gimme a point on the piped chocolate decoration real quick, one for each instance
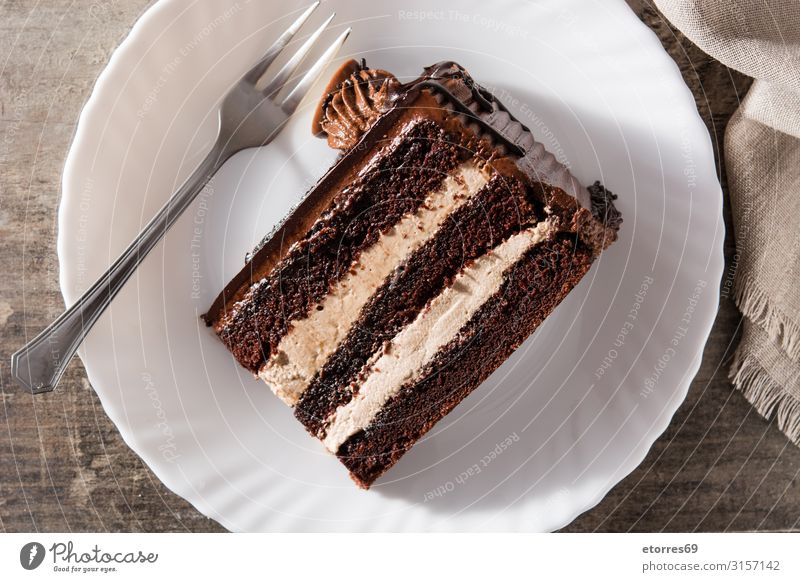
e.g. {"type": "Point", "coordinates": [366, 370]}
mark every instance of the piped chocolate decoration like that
{"type": "Point", "coordinates": [355, 98]}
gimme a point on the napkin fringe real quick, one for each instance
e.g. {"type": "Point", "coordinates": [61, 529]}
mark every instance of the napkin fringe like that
{"type": "Point", "coordinates": [756, 305]}
{"type": "Point", "coordinates": [766, 395]}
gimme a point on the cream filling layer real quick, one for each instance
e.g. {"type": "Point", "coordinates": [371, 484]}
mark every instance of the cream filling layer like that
{"type": "Point", "coordinates": [417, 344]}
{"type": "Point", "coordinates": [310, 341]}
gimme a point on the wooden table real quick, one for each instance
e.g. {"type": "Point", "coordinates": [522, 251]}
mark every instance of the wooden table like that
{"type": "Point", "coordinates": [63, 465]}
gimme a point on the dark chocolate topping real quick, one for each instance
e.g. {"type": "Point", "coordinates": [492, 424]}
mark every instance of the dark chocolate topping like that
{"type": "Point", "coordinates": [360, 96]}
{"type": "Point", "coordinates": [476, 106]}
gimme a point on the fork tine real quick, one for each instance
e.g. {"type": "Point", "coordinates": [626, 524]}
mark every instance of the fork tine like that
{"type": "Point", "coordinates": [254, 74]}
{"type": "Point", "coordinates": [290, 67]}
{"type": "Point", "coordinates": [296, 95]}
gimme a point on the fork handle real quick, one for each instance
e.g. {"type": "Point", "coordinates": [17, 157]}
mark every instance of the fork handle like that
{"type": "Point", "coordinates": [39, 365]}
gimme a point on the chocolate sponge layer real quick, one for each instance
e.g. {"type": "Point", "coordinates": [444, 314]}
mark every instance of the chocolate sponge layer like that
{"type": "Point", "coordinates": [393, 186]}
{"type": "Point", "coordinates": [535, 286]}
{"type": "Point", "coordinates": [503, 207]}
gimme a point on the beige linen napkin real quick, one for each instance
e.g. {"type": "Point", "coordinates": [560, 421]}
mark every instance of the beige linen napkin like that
{"type": "Point", "coordinates": [761, 38]}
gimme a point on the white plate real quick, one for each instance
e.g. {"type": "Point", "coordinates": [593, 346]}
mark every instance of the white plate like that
{"type": "Point", "coordinates": [590, 80]}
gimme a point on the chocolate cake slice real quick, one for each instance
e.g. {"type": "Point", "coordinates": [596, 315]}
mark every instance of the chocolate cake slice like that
{"type": "Point", "coordinates": [438, 242]}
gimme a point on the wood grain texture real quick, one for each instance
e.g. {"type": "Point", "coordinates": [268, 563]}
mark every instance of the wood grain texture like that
{"type": "Point", "coordinates": [64, 466]}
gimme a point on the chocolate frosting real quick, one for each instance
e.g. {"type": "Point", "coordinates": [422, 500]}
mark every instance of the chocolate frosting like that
{"type": "Point", "coordinates": [359, 95]}
{"type": "Point", "coordinates": [356, 97]}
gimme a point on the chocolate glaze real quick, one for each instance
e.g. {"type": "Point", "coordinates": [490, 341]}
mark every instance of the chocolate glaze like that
{"type": "Point", "coordinates": [478, 108]}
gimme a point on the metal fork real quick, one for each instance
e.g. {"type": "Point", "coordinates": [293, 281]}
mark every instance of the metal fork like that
{"type": "Point", "coordinates": [249, 117]}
